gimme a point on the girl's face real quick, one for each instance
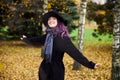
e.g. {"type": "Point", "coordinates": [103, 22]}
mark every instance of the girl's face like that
{"type": "Point", "coordinates": [52, 22]}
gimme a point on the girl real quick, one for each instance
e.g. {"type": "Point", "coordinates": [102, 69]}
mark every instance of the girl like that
{"type": "Point", "coordinates": [56, 42]}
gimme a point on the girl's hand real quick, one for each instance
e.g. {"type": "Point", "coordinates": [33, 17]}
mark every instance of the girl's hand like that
{"type": "Point", "coordinates": [23, 37]}
{"type": "Point", "coordinates": [97, 65]}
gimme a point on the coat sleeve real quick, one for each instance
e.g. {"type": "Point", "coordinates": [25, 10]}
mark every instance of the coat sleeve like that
{"type": "Point", "coordinates": [71, 50]}
{"type": "Point", "coordinates": [35, 41]}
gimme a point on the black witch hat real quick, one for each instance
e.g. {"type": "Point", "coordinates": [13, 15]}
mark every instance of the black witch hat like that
{"type": "Point", "coordinates": [53, 13]}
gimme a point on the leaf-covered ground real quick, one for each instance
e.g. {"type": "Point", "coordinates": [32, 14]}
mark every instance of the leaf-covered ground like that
{"type": "Point", "coordinates": [19, 61]}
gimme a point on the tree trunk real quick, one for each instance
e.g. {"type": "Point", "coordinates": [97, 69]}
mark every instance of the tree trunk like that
{"type": "Point", "coordinates": [76, 65]}
{"type": "Point", "coordinates": [45, 10]}
{"type": "Point", "coordinates": [116, 43]}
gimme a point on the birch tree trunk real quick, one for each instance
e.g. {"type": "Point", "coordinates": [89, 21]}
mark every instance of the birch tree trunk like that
{"type": "Point", "coordinates": [116, 43]}
{"type": "Point", "coordinates": [45, 10]}
{"type": "Point", "coordinates": [76, 65]}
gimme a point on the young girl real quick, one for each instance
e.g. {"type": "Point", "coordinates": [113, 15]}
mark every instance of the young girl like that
{"type": "Point", "coordinates": [56, 42]}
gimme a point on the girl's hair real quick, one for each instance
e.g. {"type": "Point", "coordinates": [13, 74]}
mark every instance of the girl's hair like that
{"type": "Point", "coordinates": [59, 30]}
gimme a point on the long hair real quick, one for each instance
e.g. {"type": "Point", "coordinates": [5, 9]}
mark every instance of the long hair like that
{"type": "Point", "coordinates": [59, 30]}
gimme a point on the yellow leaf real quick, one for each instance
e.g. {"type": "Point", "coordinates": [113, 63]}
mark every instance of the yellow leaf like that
{"type": "Point", "coordinates": [3, 20]}
{"type": "Point", "coordinates": [39, 16]}
{"type": "Point", "coordinates": [101, 12]}
{"type": "Point", "coordinates": [8, 16]}
{"type": "Point", "coordinates": [26, 5]}
{"type": "Point", "coordinates": [22, 13]}
{"type": "Point", "coordinates": [77, 1]}
{"type": "Point", "coordinates": [39, 24]}
{"type": "Point", "coordinates": [1, 66]}
{"type": "Point", "coordinates": [49, 5]}
{"type": "Point", "coordinates": [32, 18]}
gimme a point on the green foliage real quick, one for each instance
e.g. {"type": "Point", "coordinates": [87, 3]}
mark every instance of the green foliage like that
{"type": "Point", "coordinates": [103, 16]}
{"type": "Point", "coordinates": [22, 17]}
{"type": "Point", "coordinates": [4, 29]}
{"type": "Point", "coordinates": [4, 33]}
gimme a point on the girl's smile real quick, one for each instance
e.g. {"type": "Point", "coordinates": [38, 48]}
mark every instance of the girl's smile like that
{"type": "Point", "coordinates": [52, 22]}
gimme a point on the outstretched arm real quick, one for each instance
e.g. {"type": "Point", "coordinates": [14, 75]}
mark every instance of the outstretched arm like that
{"type": "Point", "coordinates": [35, 41]}
{"type": "Point", "coordinates": [77, 55]}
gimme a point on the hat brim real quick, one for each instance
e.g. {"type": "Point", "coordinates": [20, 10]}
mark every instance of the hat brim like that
{"type": "Point", "coordinates": [53, 14]}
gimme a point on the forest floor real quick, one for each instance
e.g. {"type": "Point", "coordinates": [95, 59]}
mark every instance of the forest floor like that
{"type": "Point", "coordinates": [19, 61]}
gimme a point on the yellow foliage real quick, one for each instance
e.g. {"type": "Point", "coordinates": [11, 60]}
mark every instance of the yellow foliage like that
{"type": "Point", "coordinates": [53, 0]}
{"type": "Point", "coordinates": [39, 16]}
{"type": "Point", "coordinates": [15, 3]}
{"type": "Point", "coordinates": [22, 62]}
{"type": "Point", "coordinates": [1, 66]}
{"type": "Point", "coordinates": [77, 1]}
{"type": "Point", "coordinates": [101, 12]}
{"type": "Point", "coordinates": [104, 23]}
{"type": "Point", "coordinates": [3, 20]}
{"type": "Point", "coordinates": [32, 18]}
{"type": "Point", "coordinates": [8, 16]}
{"type": "Point", "coordinates": [49, 5]}
{"type": "Point", "coordinates": [63, 3]}
{"type": "Point", "coordinates": [26, 5]}
{"type": "Point", "coordinates": [39, 24]}
{"type": "Point", "coordinates": [22, 13]}
{"type": "Point", "coordinates": [26, 1]}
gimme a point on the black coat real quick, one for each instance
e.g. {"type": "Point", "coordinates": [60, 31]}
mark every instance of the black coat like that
{"type": "Point", "coordinates": [55, 70]}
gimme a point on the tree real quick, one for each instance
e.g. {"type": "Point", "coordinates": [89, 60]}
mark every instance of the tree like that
{"type": "Point", "coordinates": [22, 17]}
{"type": "Point", "coordinates": [116, 42]}
{"type": "Point", "coordinates": [116, 36]}
{"type": "Point", "coordinates": [45, 10]}
{"type": "Point", "coordinates": [81, 24]}
{"type": "Point", "coordinates": [102, 14]}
